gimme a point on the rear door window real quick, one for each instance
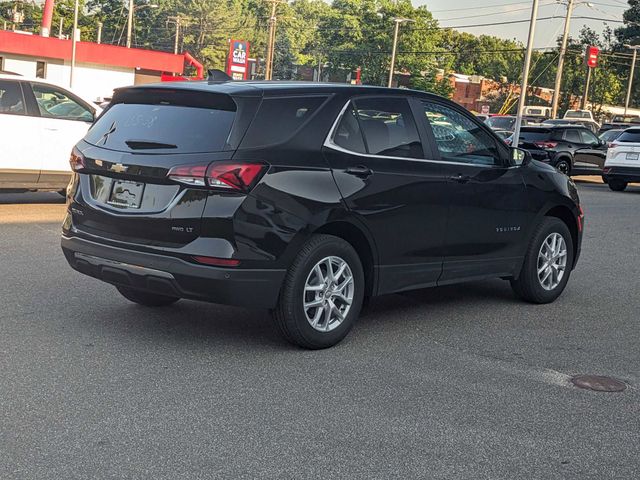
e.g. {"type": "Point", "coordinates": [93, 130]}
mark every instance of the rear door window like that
{"type": "Point", "coordinates": [279, 118]}
{"type": "Point", "coordinates": [388, 127]}
{"type": "Point", "coordinates": [537, 135]}
{"type": "Point", "coordinates": [11, 100]}
{"type": "Point", "coordinates": [572, 135]}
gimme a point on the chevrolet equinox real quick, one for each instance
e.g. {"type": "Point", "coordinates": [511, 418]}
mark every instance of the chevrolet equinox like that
{"type": "Point", "coordinates": [307, 199]}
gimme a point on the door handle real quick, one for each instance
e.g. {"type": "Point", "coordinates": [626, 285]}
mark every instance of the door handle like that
{"type": "Point", "coordinates": [359, 171]}
{"type": "Point", "coordinates": [460, 178]}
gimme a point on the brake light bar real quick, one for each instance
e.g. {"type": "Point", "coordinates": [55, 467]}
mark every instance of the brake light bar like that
{"type": "Point", "coordinates": [217, 262]}
{"type": "Point", "coordinates": [232, 176]}
{"type": "Point", "coordinates": [546, 144]}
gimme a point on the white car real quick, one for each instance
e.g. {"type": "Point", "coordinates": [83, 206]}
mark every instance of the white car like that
{"type": "Point", "coordinates": [40, 122]}
{"type": "Point", "coordinates": [579, 115]}
{"type": "Point", "coordinates": [622, 165]}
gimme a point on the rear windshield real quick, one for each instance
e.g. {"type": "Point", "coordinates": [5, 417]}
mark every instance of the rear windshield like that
{"type": "Point", "coordinates": [629, 136]}
{"type": "Point", "coordinates": [175, 128]}
{"type": "Point", "coordinates": [535, 135]}
{"type": "Point", "coordinates": [501, 123]}
{"type": "Point", "coordinates": [577, 114]}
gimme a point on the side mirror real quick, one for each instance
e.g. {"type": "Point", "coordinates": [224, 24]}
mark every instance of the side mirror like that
{"type": "Point", "coordinates": [519, 157]}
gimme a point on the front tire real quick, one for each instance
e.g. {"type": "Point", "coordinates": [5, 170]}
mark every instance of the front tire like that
{"type": "Point", "coordinates": [564, 166]}
{"type": "Point", "coordinates": [147, 299]}
{"type": "Point", "coordinates": [547, 264]}
{"type": "Point", "coordinates": [617, 185]}
{"type": "Point", "coordinates": [322, 293]}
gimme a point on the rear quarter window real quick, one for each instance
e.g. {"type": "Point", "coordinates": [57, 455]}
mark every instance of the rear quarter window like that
{"type": "Point", "coordinates": [279, 118]}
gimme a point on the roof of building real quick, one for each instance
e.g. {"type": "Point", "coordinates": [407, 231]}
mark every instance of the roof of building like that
{"type": "Point", "coordinates": [89, 52]}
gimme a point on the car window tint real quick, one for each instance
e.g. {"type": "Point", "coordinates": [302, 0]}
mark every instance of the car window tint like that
{"type": "Point", "coordinates": [11, 100]}
{"type": "Point", "coordinates": [572, 135]}
{"type": "Point", "coordinates": [130, 126]}
{"type": "Point", "coordinates": [631, 136]}
{"type": "Point", "coordinates": [459, 138]}
{"type": "Point", "coordinates": [279, 118]}
{"type": "Point", "coordinates": [348, 134]}
{"type": "Point", "coordinates": [537, 135]}
{"type": "Point", "coordinates": [388, 127]}
{"type": "Point", "coordinates": [56, 103]}
{"type": "Point", "coordinates": [588, 137]}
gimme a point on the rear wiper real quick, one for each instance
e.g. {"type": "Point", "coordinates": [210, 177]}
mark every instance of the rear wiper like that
{"type": "Point", "coordinates": [148, 145]}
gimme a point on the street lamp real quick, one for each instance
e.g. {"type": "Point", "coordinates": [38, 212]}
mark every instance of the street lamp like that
{"type": "Point", "coordinates": [397, 22]}
{"type": "Point", "coordinates": [633, 67]}
{"type": "Point", "coordinates": [563, 50]}
{"type": "Point", "coordinates": [132, 7]}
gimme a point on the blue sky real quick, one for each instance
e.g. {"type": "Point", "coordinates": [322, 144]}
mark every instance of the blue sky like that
{"type": "Point", "coordinates": [468, 12]}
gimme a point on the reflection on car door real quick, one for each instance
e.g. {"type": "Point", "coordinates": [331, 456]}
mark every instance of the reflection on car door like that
{"type": "Point", "coordinates": [591, 154]}
{"type": "Point", "coordinates": [488, 210]}
{"type": "Point", "coordinates": [378, 160]}
{"type": "Point", "coordinates": [19, 166]}
{"type": "Point", "coordinates": [64, 120]}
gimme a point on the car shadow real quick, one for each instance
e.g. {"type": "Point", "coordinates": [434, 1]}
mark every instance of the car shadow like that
{"type": "Point", "coordinates": [213, 327]}
{"type": "Point", "coordinates": [31, 198]}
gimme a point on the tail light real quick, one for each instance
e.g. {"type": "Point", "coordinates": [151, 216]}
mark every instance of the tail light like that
{"type": "Point", "coordinates": [77, 160]}
{"type": "Point", "coordinates": [232, 176]}
{"type": "Point", "coordinates": [546, 144]}
{"type": "Point", "coordinates": [611, 145]}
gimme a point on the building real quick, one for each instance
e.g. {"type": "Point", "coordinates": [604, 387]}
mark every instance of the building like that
{"type": "Point", "coordinates": [99, 68]}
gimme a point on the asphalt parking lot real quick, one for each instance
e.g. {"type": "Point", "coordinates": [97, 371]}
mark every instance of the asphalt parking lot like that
{"type": "Point", "coordinates": [454, 382]}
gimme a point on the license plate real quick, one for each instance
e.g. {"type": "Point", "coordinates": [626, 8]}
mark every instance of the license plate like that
{"type": "Point", "coordinates": [126, 194]}
{"type": "Point", "coordinates": [632, 156]}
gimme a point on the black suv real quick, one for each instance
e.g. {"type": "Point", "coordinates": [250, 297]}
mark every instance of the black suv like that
{"type": "Point", "coordinates": [571, 149]}
{"type": "Point", "coordinates": [307, 199]}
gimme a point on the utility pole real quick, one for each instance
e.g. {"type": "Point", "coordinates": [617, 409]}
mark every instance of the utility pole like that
{"type": "Point", "coordinates": [525, 72]}
{"type": "Point", "coordinates": [633, 67]}
{"type": "Point", "coordinates": [73, 43]}
{"type": "Point", "coordinates": [268, 70]}
{"type": "Point", "coordinates": [563, 51]}
{"type": "Point", "coordinates": [99, 39]}
{"type": "Point", "coordinates": [397, 22]}
{"type": "Point", "coordinates": [130, 24]}
{"type": "Point", "coordinates": [176, 43]}
{"type": "Point", "coordinates": [60, 28]}
{"type": "Point", "coordinates": [585, 95]}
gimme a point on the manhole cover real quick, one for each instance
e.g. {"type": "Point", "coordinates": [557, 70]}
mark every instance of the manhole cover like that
{"type": "Point", "coordinates": [598, 383]}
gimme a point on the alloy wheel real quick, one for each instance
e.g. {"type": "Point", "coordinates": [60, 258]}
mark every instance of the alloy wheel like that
{"type": "Point", "coordinates": [328, 293]}
{"type": "Point", "coordinates": [552, 261]}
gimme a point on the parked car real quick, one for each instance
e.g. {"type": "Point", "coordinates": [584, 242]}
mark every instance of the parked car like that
{"type": "Point", "coordinates": [591, 125]}
{"type": "Point", "coordinates": [308, 198]}
{"type": "Point", "coordinates": [571, 149]}
{"type": "Point", "coordinates": [579, 115]}
{"type": "Point", "coordinates": [623, 160]}
{"type": "Point", "coordinates": [609, 136]}
{"type": "Point", "coordinates": [504, 122]}
{"type": "Point", "coordinates": [40, 122]}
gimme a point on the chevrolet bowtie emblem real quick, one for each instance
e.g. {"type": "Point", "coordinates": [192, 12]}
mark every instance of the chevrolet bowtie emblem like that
{"type": "Point", "coordinates": [119, 168]}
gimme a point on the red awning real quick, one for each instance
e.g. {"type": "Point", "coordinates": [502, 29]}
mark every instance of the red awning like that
{"type": "Point", "coordinates": [89, 52]}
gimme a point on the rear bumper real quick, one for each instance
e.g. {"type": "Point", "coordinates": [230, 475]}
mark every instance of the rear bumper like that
{"type": "Point", "coordinates": [623, 174]}
{"type": "Point", "coordinates": [171, 276]}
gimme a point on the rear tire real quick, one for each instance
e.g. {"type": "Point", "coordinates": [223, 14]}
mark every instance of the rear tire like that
{"type": "Point", "coordinates": [546, 271]}
{"type": "Point", "coordinates": [147, 299]}
{"type": "Point", "coordinates": [617, 185]}
{"type": "Point", "coordinates": [318, 308]}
